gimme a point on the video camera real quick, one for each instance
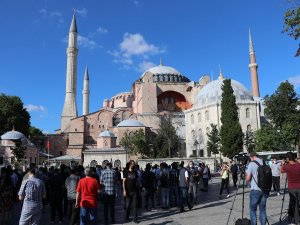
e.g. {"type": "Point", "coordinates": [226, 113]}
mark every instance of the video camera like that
{"type": "Point", "coordinates": [243, 158]}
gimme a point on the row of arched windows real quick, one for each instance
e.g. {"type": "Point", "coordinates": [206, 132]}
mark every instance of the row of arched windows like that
{"type": "Point", "coordinates": [199, 117]}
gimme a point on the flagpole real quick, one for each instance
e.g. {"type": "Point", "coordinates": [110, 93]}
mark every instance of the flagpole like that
{"type": "Point", "coordinates": [48, 146]}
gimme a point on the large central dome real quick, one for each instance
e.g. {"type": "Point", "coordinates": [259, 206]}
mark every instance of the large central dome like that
{"type": "Point", "coordinates": [212, 93]}
{"type": "Point", "coordinates": [166, 74]}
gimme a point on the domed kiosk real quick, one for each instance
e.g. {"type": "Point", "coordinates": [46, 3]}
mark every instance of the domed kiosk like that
{"type": "Point", "coordinates": [207, 110]}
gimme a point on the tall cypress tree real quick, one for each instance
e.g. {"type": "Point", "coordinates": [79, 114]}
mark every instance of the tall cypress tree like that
{"type": "Point", "coordinates": [231, 132]}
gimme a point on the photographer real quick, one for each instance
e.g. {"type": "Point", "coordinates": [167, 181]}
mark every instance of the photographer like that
{"type": "Point", "coordinates": [292, 170]}
{"type": "Point", "coordinates": [225, 179]}
{"type": "Point", "coordinates": [257, 196]}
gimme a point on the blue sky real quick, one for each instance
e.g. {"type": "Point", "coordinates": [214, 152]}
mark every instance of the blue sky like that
{"type": "Point", "coordinates": [119, 39]}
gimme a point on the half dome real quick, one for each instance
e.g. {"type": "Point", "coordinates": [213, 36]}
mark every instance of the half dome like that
{"type": "Point", "coordinates": [212, 93]}
{"type": "Point", "coordinates": [130, 123]}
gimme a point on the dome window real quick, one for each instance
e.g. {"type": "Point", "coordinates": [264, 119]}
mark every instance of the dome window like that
{"type": "Point", "coordinates": [206, 115]}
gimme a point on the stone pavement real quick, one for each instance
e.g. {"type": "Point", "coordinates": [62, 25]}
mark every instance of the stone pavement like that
{"type": "Point", "coordinates": [210, 211]}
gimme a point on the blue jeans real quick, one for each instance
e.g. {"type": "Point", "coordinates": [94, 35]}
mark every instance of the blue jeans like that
{"type": "Point", "coordinates": [184, 198]}
{"type": "Point", "coordinates": [258, 198]}
{"type": "Point", "coordinates": [88, 216]}
{"type": "Point", "coordinates": [174, 196]}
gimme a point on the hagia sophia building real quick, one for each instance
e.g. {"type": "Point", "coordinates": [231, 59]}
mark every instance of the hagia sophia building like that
{"type": "Point", "coordinates": [160, 91]}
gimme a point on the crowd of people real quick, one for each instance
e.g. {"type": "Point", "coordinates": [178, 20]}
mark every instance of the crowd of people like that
{"type": "Point", "coordinates": [76, 191]}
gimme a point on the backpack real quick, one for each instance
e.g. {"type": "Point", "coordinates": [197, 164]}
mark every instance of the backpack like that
{"type": "Point", "coordinates": [264, 177]}
{"type": "Point", "coordinates": [244, 221]}
{"type": "Point", "coordinates": [164, 179]}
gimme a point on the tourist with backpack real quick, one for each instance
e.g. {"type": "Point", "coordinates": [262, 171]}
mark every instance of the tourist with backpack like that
{"type": "Point", "coordinates": [149, 186]}
{"type": "Point", "coordinates": [260, 177]}
{"type": "Point", "coordinates": [183, 187]}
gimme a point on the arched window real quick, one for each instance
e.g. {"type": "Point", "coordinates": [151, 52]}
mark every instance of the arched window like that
{"type": "Point", "coordinates": [124, 115]}
{"type": "Point", "coordinates": [93, 163]}
{"type": "Point", "coordinates": [207, 130]}
{"type": "Point", "coordinates": [104, 163]}
{"type": "Point", "coordinates": [199, 117]}
{"type": "Point", "coordinates": [206, 115]}
{"type": "Point", "coordinates": [117, 163]}
{"type": "Point", "coordinates": [200, 132]}
{"type": "Point", "coordinates": [192, 118]}
{"type": "Point", "coordinates": [249, 127]}
{"type": "Point", "coordinates": [247, 113]}
{"type": "Point", "coordinates": [116, 120]}
{"type": "Point", "coordinates": [193, 135]}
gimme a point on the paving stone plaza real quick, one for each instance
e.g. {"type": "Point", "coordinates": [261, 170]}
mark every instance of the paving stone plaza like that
{"type": "Point", "coordinates": [211, 210]}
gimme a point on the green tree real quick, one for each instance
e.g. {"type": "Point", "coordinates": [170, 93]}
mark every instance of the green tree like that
{"type": "Point", "coordinates": [213, 142]}
{"type": "Point", "coordinates": [13, 114]}
{"type": "Point", "coordinates": [283, 111]}
{"type": "Point", "coordinates": [19, 150]}
{"type": "Point", "coordinates": [231, 132]}
{"type": "Point", "coordinates": [166, 141]}
{"type": "Point", "coordinates": [268, 139]}
{"type": "Point", "coordinates": [292, 24]}
{"type": "Point", "coordinates": [249, 140]}
{"type": "Point", "coordinates": [136, 142]}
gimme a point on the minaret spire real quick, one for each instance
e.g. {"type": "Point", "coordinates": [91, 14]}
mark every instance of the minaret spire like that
{"type": "Point", "coordinates": [86, 93]}
{"type": "Point", "coordinates": [253, 69]}
{"type": "Point", "coordinates": [221, 77]}
{"type": "Point", "coordinates": [70, 106]}
{"type": "Point", "coordinates": [160, 61]}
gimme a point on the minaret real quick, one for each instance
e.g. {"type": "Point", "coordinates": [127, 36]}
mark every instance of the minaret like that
{"type": "Point", "coordinates": [253, 69]}
{"type": "Point", "coordinates": [86, 93]}
{"type": "Point", "coordinates": [70, 107]}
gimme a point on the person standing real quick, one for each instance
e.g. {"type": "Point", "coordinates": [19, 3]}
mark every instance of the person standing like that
{"type": "Point", "coordinates": [108, 180]}
{"type": "Point", "coordinates": [183, 187]}
{"type": "Point", "coordinates": [130, 190]}
{"type": "Point", "coordinates": [257, 196]}
{"type": "Point", "coordinates": [234, 169]}
{"type": "Point", "coordinates": [165, 185]}
{"type": "Point", "coordinates": [86, 198]}
{"type": "Point", "coordinates": [225, 179]}
{"type": "Point", "coordinates": [205, 177]}
{"type": "Point", "coordinates": [275, 166]}
{"type": "Point", "coordinates": [56, 194]}
{"type": "Point", "coordinates": [6, 196]}
{"type": "Point", "coordinates": [149, 185]}
{"type": "Point", "coordinates": [174, 178]}
{"type": "Point", "coordinates": [193, 184]}
{"type": "Point", "coordinates": [71, 184]}
{"type": "Point", "coordinates": [32, 191]}
{"type": "Point", "coordinates": [292, 170]}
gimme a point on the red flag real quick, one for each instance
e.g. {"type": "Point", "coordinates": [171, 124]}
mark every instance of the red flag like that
{"type": "Point", "coordinates": [48, 144]}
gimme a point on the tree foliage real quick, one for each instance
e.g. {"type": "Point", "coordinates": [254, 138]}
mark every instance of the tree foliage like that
{"type": "Point", "coordinates": [213, 142]}
{"type": "Point", "coordinates": [249, 141]}
{"type": "Point", "coordinates": [292, 24]}
{"type": "Point", "coordinates": [268, 139]}
{"type": "Point", "coordinates": [283, 111]}
{"type": "Point", "coordinates": [136, 142]}
{"type": "Point", "coordinates": [166, 141]}
{"type": "Point", "coordinates": [19, 150]}
{"type": "Point", "coordinates": [231, 132]}
{"type": "Point", "coordinates": [13, 114]}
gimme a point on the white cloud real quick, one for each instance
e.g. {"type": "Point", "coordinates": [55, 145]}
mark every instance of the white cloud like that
{"type": "Point", "coordinates": [42, 12]}
{"type": "Point", "coordinates": [136, 3]}
{"type": "Point", "coordinates": [135, 44]}
{"type": "Point", "coordinates": [81, 12]}
{"type": "Point", "coordinates": [295, 81]}
{"type": "Point", "coordinates": [35, 108]}
{"type": "Point", "coordinates": [134, 47]}
{"type": "Point", "coordinates": [87, 42]}
{"type": "Point", "coordinates": [55, 16]}
{"type": "Point", "coordinates": [102, 30]}
{"type": "Point", "coordinates": [145, 65]}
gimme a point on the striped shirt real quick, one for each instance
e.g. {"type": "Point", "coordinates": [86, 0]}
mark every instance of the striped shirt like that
{"type": "Point", "coordinates": [108, 180]}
